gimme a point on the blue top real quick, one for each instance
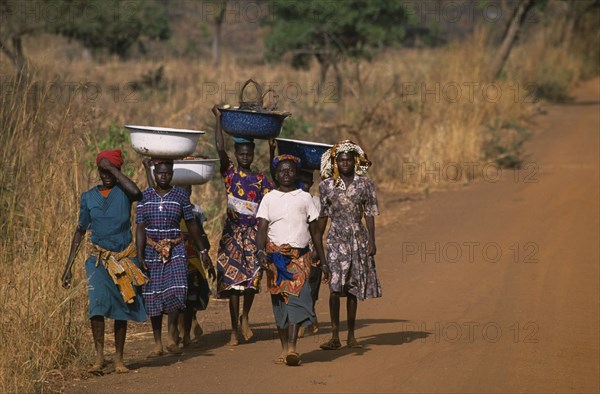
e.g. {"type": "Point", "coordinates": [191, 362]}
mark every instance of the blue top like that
{"type": "Point", "coordinates": [108, 218]}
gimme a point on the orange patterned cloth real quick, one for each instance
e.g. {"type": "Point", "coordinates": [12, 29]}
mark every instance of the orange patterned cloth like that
{"type": "Point", "coordinates": [163, 247]}
{"type": "Point", "coordinates": [299, 267]}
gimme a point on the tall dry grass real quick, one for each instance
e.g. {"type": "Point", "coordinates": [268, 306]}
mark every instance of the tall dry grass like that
{"type": "Point", "coordinates": [51, 127]}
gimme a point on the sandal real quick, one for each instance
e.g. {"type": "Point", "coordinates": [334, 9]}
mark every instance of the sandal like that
{"type": "Point", "coordinates": [332, 344]}
{"type": "Point", "coordinates": [292, 359]}
{"type": "Point", "coordinates": [280, 360]}
{"type": "Point", "coordinates": [353, 344]}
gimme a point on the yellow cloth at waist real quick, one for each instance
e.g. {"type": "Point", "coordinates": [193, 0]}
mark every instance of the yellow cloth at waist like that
{"type": "Point", "coordinates": [122, 270]}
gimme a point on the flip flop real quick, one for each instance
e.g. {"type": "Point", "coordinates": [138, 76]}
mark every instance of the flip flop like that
{"type": "Point", "coordinates": [292, 359]}
{"type": "Point", "coordinates": [280, 360]}
{"type": "Point", "coordinates": [332, 344]}
{"type": "Point", "coordinates": [353, 344]}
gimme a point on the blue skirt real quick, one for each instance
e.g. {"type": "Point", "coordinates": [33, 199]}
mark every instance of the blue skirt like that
{"type": "Point", "coordinates": [298, 310]}
{"type": "Point", "coordinates": [105, 298]}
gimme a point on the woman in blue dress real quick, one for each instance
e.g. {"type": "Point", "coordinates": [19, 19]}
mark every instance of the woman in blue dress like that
{"type": "Point", "coordinates": [111, 270]}
{"type": "Point", "coordinates": [161, 249]}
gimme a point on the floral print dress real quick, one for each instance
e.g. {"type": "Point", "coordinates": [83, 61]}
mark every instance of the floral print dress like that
{"type": "Point", "coordinates": [352, 270]}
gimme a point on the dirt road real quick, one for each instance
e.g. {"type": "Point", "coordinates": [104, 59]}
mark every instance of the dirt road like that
{"type": "Point", "coordinates": [490, 288]}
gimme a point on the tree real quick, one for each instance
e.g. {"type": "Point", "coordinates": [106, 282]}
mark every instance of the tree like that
{"type": "Point", "coordinates": [115, 25]}
{"type": "Point", "coordinates": [332, 31]}
{"type": "Point", "coordinates": [218, 18]}
{"type": "Point", "coordinates": [510, 35]}
{"type": "Point", "coordinates": [112, 24]}
{"type": "Point", "coordinates": [16, 21]}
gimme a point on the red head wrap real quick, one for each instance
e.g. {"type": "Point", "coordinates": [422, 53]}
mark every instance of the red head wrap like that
{"type": "Point", "coordinates": [113, 156]}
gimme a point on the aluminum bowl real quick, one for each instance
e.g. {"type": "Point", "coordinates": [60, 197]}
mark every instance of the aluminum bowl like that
{"type": "Point", "coordinates": [308, 152]}
{"type": "Point", "coordinates": [163, 141]}
{"type": "Point", "coordinates": [192, 172]}
{"type": "Point", "coordinates": [249, 124]}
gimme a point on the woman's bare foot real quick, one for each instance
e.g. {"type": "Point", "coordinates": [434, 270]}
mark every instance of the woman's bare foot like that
{"type": "Point", "coordinates": [156, 351]}
{"type": "Point", "coordinates": [174, 349]}
{"type": "Point", "coordinates": [245, 328]}
{"type": "Point", "coordinates": [281, 358]}
{"type": "Point", "coordinates": [97, 367]}
{"type": "Point", "coordinates": [197, 332]}
{"type": "Point", "coordinates": [233, 341]}
{"type": "Point", "coordinates": [120, 367]}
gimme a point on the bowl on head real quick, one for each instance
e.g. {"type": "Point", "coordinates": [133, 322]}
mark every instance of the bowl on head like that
{"type": "Point", "coordinates": [163, 141]}
{"type": "Point", "coordinates": [250, 124]}
{"type": "Point", "coordinates": [307, 151]}
{"type": "Point", "coordinates": [192, 172]}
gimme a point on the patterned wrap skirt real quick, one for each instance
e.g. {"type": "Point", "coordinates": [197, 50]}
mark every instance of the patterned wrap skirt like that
{"type": "Point", "coordinates": [291, 299]}
{"type": "Point", "coordinates": [237, 265]}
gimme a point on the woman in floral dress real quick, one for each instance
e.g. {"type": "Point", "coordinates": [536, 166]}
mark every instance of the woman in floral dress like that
{"type": "Point", "coordinates": [237, 264]}
{"type": "Point", "coordinates": [346, 197]}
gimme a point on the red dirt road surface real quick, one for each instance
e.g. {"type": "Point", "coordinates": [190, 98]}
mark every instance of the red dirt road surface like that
{"type": "Point", "coordinates": [490, 288]}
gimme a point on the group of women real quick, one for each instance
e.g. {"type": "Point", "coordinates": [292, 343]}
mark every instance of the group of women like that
{"type": "Point", "coordinates": [272, 229]}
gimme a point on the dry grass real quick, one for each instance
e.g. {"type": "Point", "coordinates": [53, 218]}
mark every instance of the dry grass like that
{"type": "Point", "coordinates": [48, 135]}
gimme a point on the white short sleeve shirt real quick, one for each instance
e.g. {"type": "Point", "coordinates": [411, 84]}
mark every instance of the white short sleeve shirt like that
{"type": "Point", "coordinates": [289, 215]}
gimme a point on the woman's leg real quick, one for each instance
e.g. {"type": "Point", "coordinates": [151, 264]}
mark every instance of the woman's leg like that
{"type": "Point", "coordinates": [157, 333]}
{"type": "Point", "coordinates": [234, 313]}
{"type": "Point", "coordinates": [245, 320]}
{"type": "Point", "coordinates": [283, 338]}
{"type": "Point", "coordinates": [293, 337]}
{"type": "Point", "coordinates": [120, 333]}
{"type": "Point", "coordinates": [188, 316]}
{"type": "Point", "coordinates": [334, 312]}
{"type": "Point", "coordinates": [173, 331]}
{"type": "Point", "coordinates": [97, 323]}
{"type": "Point", "coordinates": [292, 358]}
{"type": "Point", "coordinates": [351, 307]}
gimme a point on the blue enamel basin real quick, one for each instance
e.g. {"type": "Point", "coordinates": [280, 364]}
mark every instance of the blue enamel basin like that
{"type": "Point", "coordinates": [248, 124]}
{"type": "Point", "coordinates": [308, 152]}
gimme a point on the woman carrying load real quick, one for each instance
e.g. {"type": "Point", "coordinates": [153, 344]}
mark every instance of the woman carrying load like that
{"type": "Point", "coordinates": [288, 220]}
{"type": "Point", "coordinates": [236, 262]}
{"type": "Point", "coordinates": [161, 249]}
{"type": "Point", "coordinates": [346, 197]}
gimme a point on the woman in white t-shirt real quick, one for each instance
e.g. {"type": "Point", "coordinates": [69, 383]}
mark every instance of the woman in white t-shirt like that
{"type": "Point", "coordinates": [287, 220]}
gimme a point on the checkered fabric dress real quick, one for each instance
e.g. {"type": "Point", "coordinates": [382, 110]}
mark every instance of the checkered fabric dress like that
{"type": "Point", "coordinates": [167, 290]}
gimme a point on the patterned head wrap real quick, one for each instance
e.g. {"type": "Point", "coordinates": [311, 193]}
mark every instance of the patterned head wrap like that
{"type": "Point", "coordinates": [329, 166]}
{"type": "Point", "coordinates": [280, 158]}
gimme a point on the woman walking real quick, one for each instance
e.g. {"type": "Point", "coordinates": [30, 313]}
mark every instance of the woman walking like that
{"type": "Point", "coordinates": [236, 262]}
{"type": "Point", "coordinates": [111, 270]}
{"type": "Point", "coordinates": [346, 197]}
{"type": "Point", "coordinates": [161, 249]}
{"type": "Point", "coordinates": [287, 222]}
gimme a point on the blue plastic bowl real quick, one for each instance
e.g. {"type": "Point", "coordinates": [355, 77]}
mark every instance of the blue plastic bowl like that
{"type": "Point", "coordinates": [248, 124]}
{"type": "Point", "coordinates": [308, 152]}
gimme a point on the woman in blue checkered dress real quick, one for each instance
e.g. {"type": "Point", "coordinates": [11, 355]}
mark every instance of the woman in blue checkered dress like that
{"type": "Point", "coordinates": [161, 250]}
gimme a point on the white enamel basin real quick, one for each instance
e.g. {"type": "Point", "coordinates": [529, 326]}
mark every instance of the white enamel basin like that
{"type": "Point", "coordinates": [163, 142]}
{"type": "Point", "coordinates": [192, 172]}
